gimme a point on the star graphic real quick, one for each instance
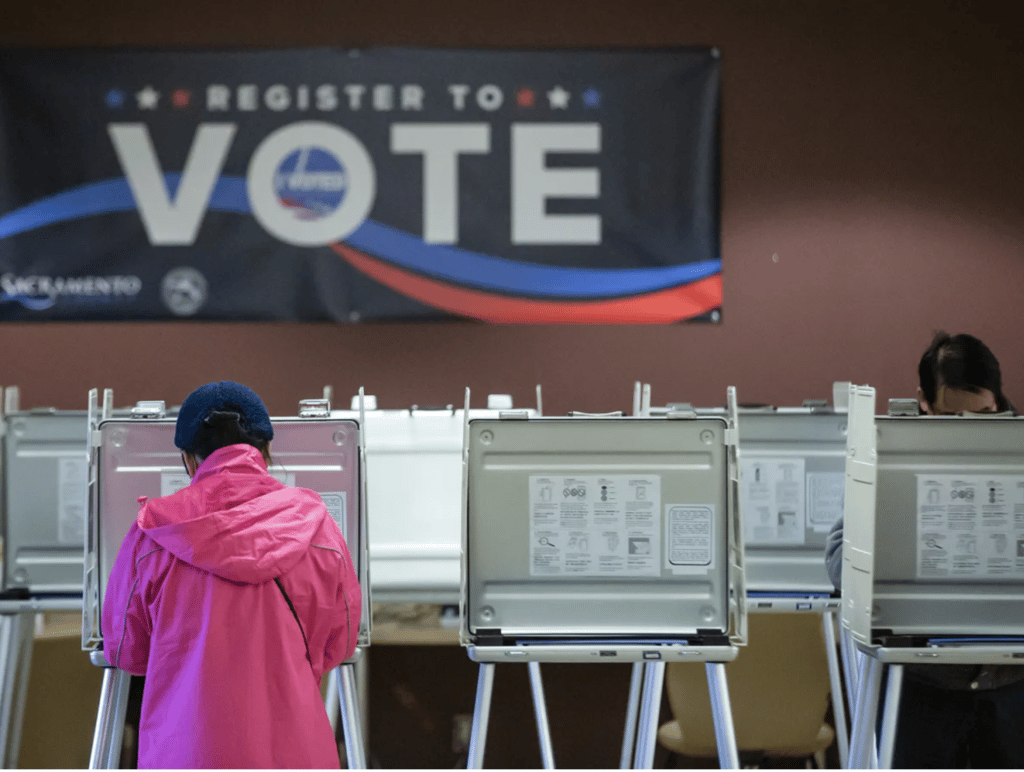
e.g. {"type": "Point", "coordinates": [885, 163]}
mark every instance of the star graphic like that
{"type": "Point", "coordinates": [558, 98]}
{"type": "Point", "coordinates": [592, 97]}
{"type": "Point", "coordinates": [114, 98]}
{"type": "Point", "coordinates": [147, 98]}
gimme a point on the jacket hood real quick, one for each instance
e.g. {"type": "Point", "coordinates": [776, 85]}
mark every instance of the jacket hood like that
{"type": "Point", "coordinates": [235, 520]}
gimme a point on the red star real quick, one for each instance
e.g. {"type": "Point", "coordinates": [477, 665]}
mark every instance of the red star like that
{"type": "Point", "coordinates": [180, 97]}
{"type": "Point", "coordinates": [525, 97]}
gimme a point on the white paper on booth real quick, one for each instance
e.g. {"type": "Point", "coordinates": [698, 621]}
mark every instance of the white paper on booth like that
{"type": "Point", "coordinates": [595, 525]}
{"type": "Point", "coordinates": [970, 526]}
{"type": "Point", "coordinates": [826, 492]}
{"type": "Point", "coordinates": [772, 500]}
{"type": "Point", "coordinates": [72, 492]}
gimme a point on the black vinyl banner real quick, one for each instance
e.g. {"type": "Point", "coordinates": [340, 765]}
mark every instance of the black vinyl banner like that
{"type": "Point", "coordinates": [353, 185]}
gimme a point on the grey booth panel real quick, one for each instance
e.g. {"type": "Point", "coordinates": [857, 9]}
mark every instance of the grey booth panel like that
{"type": "Point", "coordinates": [905, 602]}
{"type": "Point", "coordinates": [689, 460]}
{"type": "Point", "coordinates": [45, 496]}
{"type": "Point", "coordinates": [138, 458]}
{"type": "Point", "coordinates": [818, 439]}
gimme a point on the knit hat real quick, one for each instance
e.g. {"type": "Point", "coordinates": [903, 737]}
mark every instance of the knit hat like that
{"type": "Point", "coordinates": [225, 395]}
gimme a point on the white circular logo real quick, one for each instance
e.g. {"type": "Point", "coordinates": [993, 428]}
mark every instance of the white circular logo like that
{"type": "Point", "coordinates": [184, 291]}
{"type": "Point", "coordinates": [311, 183]}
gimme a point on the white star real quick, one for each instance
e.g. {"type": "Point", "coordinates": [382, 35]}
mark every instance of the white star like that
{"type": "Point", "coordinates": [558, 97]}
{"type": "Point", "coordinates": [147, 98]}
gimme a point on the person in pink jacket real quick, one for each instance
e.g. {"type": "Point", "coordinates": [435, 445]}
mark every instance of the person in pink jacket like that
{"type": "Point", "coordinates": [233, 597]}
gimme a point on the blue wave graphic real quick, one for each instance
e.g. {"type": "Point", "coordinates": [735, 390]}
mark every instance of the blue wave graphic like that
{"type": "Point", "coordinates": [394, 246]}
{"type": "Point", "coordinates": [28, 301]}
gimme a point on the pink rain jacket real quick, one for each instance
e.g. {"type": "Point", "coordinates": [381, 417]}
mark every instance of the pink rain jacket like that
{"type": "Point", "coordinates": [192, 605]}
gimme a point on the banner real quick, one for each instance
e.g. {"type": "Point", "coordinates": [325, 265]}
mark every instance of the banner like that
{"type": "Point", "coordinates": [354, 185]}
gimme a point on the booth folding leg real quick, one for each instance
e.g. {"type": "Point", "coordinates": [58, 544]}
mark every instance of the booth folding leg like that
{"type": "Point", "coordinates": [16, 635]}
{"type": "Point", "coordinates": [482, 713]}
{"type": "Point", "coordinates": [632, 709]}
{"type": "Point", "coordinates": [110, 717]}
{"type": "Point", "coordinates": [650, 704]}
{"type": "Point", "coordinates": [862, 740]}
{"type": "Point", "coordinates": [828, 626]}
{"type": "Point", "coordinates": [481, 716]}
{"type": "Point", "coordinates": [887, 741]}
{"type": "Point", "coordinates": [351, 724]}
{"type": "Point", "coordinates": [540, 710]}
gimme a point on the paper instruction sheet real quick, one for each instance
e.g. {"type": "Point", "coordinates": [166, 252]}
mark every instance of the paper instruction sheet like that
{"type": "Point", "coordinates": [970, 526]}
{"type": "Point", "coordinates": [826, 492]}
{"type": "Point", "coordinates": [336, 504]}
{"type": "Point", "coordinates": [772, 500]}
{"type": "Point", "coordinates": [689, 537]}
{"type": "Point", "coordinates": [595, 525]}
{"type": "Point", "coordinates": [72, 492]}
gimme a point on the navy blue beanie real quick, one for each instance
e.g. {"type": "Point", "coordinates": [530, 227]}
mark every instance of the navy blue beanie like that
{"type": "Point", "coordinates": [225, 395]}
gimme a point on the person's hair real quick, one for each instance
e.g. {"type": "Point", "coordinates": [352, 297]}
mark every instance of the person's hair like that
{"type": "Point", "coordinates": [226, 427]}
{"type": "Point", "coordinates": [960, 362]}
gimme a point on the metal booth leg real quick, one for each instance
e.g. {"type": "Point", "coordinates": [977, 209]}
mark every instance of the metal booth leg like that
{"type": "Point", "coordinates": [16, 637]}
{"type": "Point", "coordinates": [828, 620]}
{"type": "Point", "coordinates": [650, 705]}
{"type": "Point", "coordinates": [889, 715]}
{"type": "Point", "coordinates": [332, 699]}
{"type": "Point", "coordinates": [547, 754]}
{"type": "Point", "coordinates": [109, 731]}
{"type": "Point", "coordinates": [632, 709]}
{"type": "Point", "coordinates": [725, 733]}
{"type": "Point", "coordinates": [355, 750]}
{"type": "Point", "coordinates": [862, 741]}
{"type": "Point", "coordinates": [481, 715]}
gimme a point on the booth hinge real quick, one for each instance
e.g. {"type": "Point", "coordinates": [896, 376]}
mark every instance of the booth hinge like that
{"type": "Point", "coordinates": [314, 408]}
{"type": "Point", "coordinates": [514, 415]}
{"type": "Point", "coordinates": [489, 636]}
{"type": "Point", "coordinates": [731, 437]}
{"type": "Point", "coordinates": [155, 408]}
{"type": "Point", "coordinates": [904, 406]}
{"type": "Point", "coordinates": [817, 405]}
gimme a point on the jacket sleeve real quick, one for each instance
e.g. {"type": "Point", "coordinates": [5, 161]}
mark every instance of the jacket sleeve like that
{"type": "Point", "coordinates": [834, 554]}
{"type": "Point", "coordinates": [341, 642]}
{"type": "Point", "coordinates": [126, 622]}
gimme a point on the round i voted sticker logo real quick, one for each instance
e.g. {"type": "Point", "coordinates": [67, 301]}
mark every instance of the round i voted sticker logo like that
{"type": "Point", "coordinates": [311, 182]}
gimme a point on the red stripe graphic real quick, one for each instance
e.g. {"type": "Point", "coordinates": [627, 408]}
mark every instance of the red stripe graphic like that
{"type": "Point", "coordinates": [661, 307]}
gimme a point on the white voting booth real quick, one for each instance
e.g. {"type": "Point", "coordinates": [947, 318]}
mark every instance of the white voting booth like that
{"type": "Point", "coordinates": [792, 463]}
{"type": "Point", "coordinates": [414, 495]}
{"type": "Point", "coordinates": [42, 511]}
{"type": "Point", "coordinates": [933, 552]}
{"type": "Point", "coordinates": [602, 539]}
{"type": "Point", "coordinates": [135, 456]}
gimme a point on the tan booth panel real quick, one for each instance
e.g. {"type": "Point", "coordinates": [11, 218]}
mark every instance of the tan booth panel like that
{"type": "Point", "coordinates": [63, 696]}
{"type": "Point", "coordinates": [778, 686]}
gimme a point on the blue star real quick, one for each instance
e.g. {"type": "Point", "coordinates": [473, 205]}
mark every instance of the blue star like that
{"type": "Point", "coordinates": [592, 97]}
{"type": "Point", "coordinates": [114, 98]}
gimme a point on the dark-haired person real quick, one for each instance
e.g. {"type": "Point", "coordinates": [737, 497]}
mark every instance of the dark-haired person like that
{"type": "Point", "coordinates": [954, 716]}
{"type": "Point", "coordinates": [233, 596]}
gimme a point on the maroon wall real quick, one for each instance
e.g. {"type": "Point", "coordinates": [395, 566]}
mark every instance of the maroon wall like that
{"type": "Point", "coordinates": [871, 157]}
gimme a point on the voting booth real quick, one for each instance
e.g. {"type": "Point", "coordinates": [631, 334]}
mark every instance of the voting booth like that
{"type": "Point", "coordinates": [42, 511]}
{"type": "Point", "coordinates": [933, 552]}
{"type": "Point", "coordinates": [414, 495]}
{"type": "Point", "coordinates": [601, 539]}
{"type": "Point", "coordinates": [135, 456]}
{"type": "Point", "coordinates": [792, 463]}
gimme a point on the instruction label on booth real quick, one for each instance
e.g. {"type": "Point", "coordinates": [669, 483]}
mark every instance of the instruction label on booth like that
{"type": "Point", "coordinates": [72, 492]}
{"type": "Point", "coordinates": [595, 525]}
{"type": "Point", "coordinates": [689, 537]}
{"type": "Point", "coordinates": [970, 526]}
{"type": "Point", "coordinates": [772, 500]}
{"type": "Point", "coordinates": [336, 508]}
